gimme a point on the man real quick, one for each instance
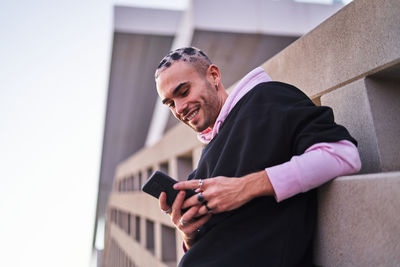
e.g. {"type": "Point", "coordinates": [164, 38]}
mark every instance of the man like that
{"type": "Point", "coordinates": [268, 147]}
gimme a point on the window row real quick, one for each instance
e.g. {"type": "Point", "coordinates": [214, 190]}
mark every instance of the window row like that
{"type": "Point", "coordinates": [143, 231]}
{"type": "Point", "coordinates": [117, 257]}
{"type": "Point", "coordinates": [127, 222]}
{"type": "Point", "coordinates": [184, 165]}
{"type": "Point", "coordinates": [132, 183]}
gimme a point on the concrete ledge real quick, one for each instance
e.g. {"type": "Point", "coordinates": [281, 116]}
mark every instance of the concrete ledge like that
{"type": "Point", "coordinates": [362, 39]}
{"type": "Point", "coordinates": [359, 222]}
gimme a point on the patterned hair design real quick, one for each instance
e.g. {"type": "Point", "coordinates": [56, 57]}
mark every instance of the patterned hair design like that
{"type": "Point", "coordinates": [191, 55]}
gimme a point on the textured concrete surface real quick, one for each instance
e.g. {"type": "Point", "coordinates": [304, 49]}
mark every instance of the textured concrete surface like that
{"type": "Point", "coordinates": [369, 109]}
{"type": "Point", "coordinates": [355, 42]}
{"type": "Point", "coordinates": [384, 97]}
{"type": "Point", "coordinates": [359, 222]}
{"type": "Point", "coordinates": [351, 108]}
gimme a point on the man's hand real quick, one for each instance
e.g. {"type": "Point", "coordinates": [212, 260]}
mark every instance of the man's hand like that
{"type": "Point", "coordinates": [187, 223]}
{"type": "Point", "coordinates": [224, 194]}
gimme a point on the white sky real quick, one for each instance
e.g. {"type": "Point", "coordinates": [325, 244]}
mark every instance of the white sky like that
{"type": "Point", "coordinates": [54, 63]}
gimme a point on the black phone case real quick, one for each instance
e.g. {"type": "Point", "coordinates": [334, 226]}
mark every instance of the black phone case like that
{"type": "Point", "coordinates": [160, 182]}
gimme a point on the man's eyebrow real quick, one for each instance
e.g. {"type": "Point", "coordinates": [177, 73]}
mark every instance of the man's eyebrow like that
{"type": "Point", "coordinates": [175, 92]}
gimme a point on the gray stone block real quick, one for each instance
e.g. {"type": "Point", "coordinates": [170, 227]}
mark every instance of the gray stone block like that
{"type": "Point", "coordinates": [351, 107]}
{"type": "Point", "coordinates": [359, 222]}
{"type": "Point", "coordinates": [384, 97]}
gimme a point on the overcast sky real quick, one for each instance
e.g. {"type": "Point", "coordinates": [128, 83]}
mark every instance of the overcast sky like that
{"type": "Point", "coordinates": [54, 63]}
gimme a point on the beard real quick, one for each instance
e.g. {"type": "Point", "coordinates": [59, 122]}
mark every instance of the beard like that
{"type": "Point", "coordinates": [209, 109]}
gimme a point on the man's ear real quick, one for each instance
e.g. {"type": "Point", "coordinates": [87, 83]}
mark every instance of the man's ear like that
{"type": "Point", "coordinates": [215, 75]}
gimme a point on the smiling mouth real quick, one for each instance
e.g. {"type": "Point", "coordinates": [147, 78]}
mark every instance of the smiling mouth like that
{"type": "Point", "coordinates": [191, 115]}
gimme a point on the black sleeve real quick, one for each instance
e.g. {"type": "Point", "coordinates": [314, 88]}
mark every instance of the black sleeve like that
{"type": "Point", "coordinates": [310, 124]}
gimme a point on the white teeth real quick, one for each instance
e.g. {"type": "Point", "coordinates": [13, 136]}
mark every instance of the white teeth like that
{"type": "Point", "coordinates": [192, 115]}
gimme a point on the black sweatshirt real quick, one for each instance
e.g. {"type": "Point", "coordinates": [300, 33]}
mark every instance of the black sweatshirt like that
{"type": "Point", "coordinates": [269, 125]}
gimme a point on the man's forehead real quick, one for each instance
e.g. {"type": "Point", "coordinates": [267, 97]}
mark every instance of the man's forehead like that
{"type": "Point", "coordinates": [177, 73]}
{"type": "Point", "coordinates": [180, 66]}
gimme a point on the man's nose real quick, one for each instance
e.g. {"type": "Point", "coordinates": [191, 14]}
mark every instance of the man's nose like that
{"type": "Point", "coordinates": [180, 106]}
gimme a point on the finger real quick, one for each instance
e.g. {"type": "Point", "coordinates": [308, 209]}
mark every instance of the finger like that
{"type": "Point", "coordinates": [163, 201]}
{"type": "Point", "coordinates": [177, 206]}
{"type": "Point", "coordinates": [192, 184]}
{"type": "Point", "coordinates": [202, 210]}
{"type": "Point", "coordinates": [191, 201]}
{"type": "Point", "coordinates": [196, 224]}
{"type": "Point", "coordinates": [190, 214]}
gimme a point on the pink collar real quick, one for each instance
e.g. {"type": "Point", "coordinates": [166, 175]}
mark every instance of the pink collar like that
{"type": "Point", "coordinates": [247, 83]}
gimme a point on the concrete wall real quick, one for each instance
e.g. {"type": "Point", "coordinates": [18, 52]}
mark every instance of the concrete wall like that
{"type": "Point", "coordinates": [350, 62]}
{"type": "Point", "coordinates": [359, 222]}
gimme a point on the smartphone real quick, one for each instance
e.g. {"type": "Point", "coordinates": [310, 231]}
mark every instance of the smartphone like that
{"type": "Point", "coordinates": [160, 182]}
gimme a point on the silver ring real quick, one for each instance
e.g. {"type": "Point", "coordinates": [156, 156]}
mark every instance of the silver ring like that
{"type": "Point", "coordinates": [200, 197]}
{"type": "Point", "coordinates": [168, 211]}
{"type": "Point", "coordinates": [182, 222]}
{"type": "Point", "coordinates": [200, 184]}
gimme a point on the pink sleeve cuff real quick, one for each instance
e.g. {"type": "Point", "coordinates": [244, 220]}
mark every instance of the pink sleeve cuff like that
{"type": "Point", "coordinates": [319, 164]}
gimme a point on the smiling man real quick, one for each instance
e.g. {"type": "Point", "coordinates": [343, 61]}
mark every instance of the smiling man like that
{"type": "Point", "coordinates": [268, 147]}
{"type": "Point", "coordinates": [186, 90]}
